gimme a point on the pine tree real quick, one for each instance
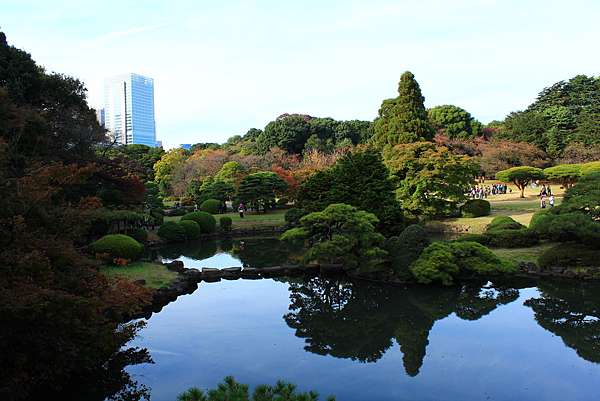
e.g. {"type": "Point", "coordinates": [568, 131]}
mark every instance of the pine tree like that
{"type": "Point", "coordinates": [404, 118]}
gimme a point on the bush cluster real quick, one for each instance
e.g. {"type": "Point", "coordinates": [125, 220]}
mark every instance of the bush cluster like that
{"type": "Point", "coordinates": [191, 228]}
{"type": "Point", "coordinates": [405, 248]}
{"type": "Point", "coordinates": [118, 246]}
{"type": "Point", "coordinates": [476, 208]}
{"type": "Point", "coordinates": [138, 234]}
{"type": "Point", "coordinates": [569, 255]}
{"type": "Point", "coordinates": [206, 221]}
{"type": "Point", "coordinates": [225, 223]}
{"type": "Point", "coordinates": [212, 206]}
{"type": "Point", "coordinates": [292, 216]}
{"type": "Point", "coordinates": [570, 226]}
{"type": "Point", "coordinates": [172, 232]}
{"type": "Point", "coordinates": [445, 261]}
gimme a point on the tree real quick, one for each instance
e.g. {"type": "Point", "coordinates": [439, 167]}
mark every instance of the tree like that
{"type": "Point", "coordinates": [454, 122]}
{"type": "Point", "coordinates": [144, 157]}
{"type": "Point", "coordinates": [359, 179]}
{"type": "Point", "coordinates": [577, 152]}
{"type": "Point", "coordinates": [340, 234]}
{"type": "Point", "coordinates": [260, 190]}
{"type": "Point", "coordinates": [231, 172]}
{"type": "Point", "coordinates": [214, 189]}
{"type": "Point", "coordinates": [404, 118]}
{"type": "Point", "coordinates": [165, 168]}
{"type": "Point", "coordinates": [520, 176]}
{"type": "Point", "coordinates": [498, 155]}
{"type": "Point", "coordinates": [288, 132]}
{"type": "Point", "coordinates": [432, 180]}
{"type": "Point", "coordinates": [565, 174]}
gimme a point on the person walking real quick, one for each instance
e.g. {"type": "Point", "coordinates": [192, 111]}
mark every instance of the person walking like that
{"type": "Point", "coordinates": [241, 210]}
{"type": "Point", "coordinates": [543, 201]}
{"type": "Point", "coordinates": [551, 201]}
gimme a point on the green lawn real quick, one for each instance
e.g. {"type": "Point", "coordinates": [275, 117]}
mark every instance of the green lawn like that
{"type": "Point", "coordinates": [156, 275]}
{"type": "Point", "coordinates": [250, 220]}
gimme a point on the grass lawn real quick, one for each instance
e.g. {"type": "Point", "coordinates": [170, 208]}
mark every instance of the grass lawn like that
{"type": "Point", "coordinates": [156, 275]}
{"type": "Point", "coordinates": [522, 254]}
{"type": "Point", "coordinates": [510, 204]}
{"type": "Point", "coordinates": [250, 220]}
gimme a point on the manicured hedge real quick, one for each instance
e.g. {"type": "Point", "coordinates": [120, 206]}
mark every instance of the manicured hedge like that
{"type": "Point", "coordinates": [206, 221]}
{"type": "Point", "coordinates": [212, 206]}
{"type": "Point", "coordinates": [191, 228]}
{"type": "Point", "coordinates": [476, 208]}
{"type": "Point", "coordinates": [504, 223]}
{"type": "Point", "coordinates": [445, 261]}
{"type": "Point", "coordinates": [172, 232]}
{"type": "Point", "coordinates": [118, 246]}
{"type": "Point", "coordinates": [573, 226]}
{"type": "Point", "coordinates": [569, 255]}
{"type": "Point", "coordinates": [507, 238]}
{"type": "Point", "coordinates": [225, 223]}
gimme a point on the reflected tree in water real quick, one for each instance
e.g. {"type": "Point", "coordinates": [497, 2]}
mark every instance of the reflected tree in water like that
{"type": "Point", "coordinates": [360, 321]}
{"type": "Point", "coordinates": [571, 312]}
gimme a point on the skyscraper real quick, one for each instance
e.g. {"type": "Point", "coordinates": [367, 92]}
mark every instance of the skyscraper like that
{"type": "Point", "coordinates": [129, 109]}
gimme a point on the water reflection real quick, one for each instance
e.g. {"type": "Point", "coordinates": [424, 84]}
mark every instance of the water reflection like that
{"type": "Point", "coordinates": [360, 321]}
{"type": "Point", "coordinates": [571, 311]}
{"type": "Point", "coordinates": [249, 252]}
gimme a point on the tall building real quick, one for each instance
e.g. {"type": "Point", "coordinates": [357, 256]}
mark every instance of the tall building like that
{"type": "Point", "coordinates": [129, 109]}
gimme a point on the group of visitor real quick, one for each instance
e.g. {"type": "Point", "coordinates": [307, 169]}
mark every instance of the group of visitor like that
{"type": "Point", "coordinates": [482, 192]}
{"type": "Point", "coordinates": [546, 196]}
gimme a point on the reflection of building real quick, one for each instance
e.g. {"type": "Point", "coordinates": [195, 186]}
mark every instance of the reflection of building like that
{"type": "Point", "coordinates": [129, 109]}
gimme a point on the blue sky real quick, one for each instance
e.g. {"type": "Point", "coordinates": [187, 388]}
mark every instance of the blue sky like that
{"type": "Point", "coordinates": [222, 67]}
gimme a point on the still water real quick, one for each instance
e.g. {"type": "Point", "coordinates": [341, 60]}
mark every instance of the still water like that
{"type": "Point", "coordinates": [361, 341]}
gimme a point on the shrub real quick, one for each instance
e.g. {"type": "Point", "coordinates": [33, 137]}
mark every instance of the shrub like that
{"type": "Point", "coordinates": [212, 206]}
{"type": "Point", "coordinates": [118, 246]}
{"type": "Point", "coordinates": [191, 228]}
{"type": "Point", "coordinates": [225, 223]}
{"type": "Point", "coordinates": [178, 211]}
{"type": "Point", "coordinates": [206, 221]}
{"type": "Point", "coordinates": [508, 238]}
{"type": "Point", "coordinates": [138, 234]}
{"type": "Point", "coordinates": [573, 226]}
{"type": "Point", "coordinates": [569, 255]}
{"type": "Point", "coordinates": [293, 216]}
{"type": "Point", "coordinates": [406, 248]}
{"type": "Point", "coordinates": [482, 239]}
{"type": "Point", "coordinates": [476, 208]}
{"type": "Point", "coordinates": [171, 232]}
{"type": "Point", "coordinates": [504, 223]}
{"type": "Point", "coordinates": [445, 261]}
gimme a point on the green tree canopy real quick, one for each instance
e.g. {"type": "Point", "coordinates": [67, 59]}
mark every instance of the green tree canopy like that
{"type": "Point", "coordinates": [359, 179]}
{"type": "Point", "coordinates": [432, 180]}
{"type": "Point", "coordinates": [340, 234]}
{"type": "Point", "coordinates": [520, 176]}
{"type": "Point", "coordinates": [404, 118]}
{"type": "Point", "coordinates": [260, 190]}
{"type": "Point", "coordinates": [166, 166]}
{"type": "Point", "coordinates": [565, 174]}
{"type": "Point", "coordinates": [454, 122]}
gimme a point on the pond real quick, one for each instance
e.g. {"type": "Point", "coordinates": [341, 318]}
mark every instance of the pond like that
{"type": "Point", "coordinates": [363, 341]}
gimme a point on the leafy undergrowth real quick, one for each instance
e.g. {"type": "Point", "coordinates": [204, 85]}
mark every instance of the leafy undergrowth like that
{"type": "Point", "coordinates": [155, 275]}
{"type": "Point", "coordinates": [517, 255]}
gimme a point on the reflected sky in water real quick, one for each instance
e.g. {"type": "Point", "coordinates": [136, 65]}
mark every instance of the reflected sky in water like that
{"type": "Point", "coordinates": [419, 344]}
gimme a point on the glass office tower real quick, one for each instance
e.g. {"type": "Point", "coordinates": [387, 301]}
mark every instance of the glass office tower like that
{"type": "Point", "coordinates": [129, 109]}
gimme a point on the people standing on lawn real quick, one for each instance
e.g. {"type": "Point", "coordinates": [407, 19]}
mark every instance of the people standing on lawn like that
{"type": "Point", "coordinates": [551, 201]}
{"type": "Point", "coordinates": [543, 201]}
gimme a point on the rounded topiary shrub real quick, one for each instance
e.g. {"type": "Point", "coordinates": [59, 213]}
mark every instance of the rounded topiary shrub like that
{"type": "Point", "coordinates": [504, 223]}
{"type": "Point", "coordinates": [476, 208]}
{"type": "Point", "coordinates": [172, 232]}
{"type": "Point", "coordinates": [293, 216]}
{"type": "Point", "coordinates": [206, 221]}
{"type": "Point", "coordinates": [118, 246]}
{"type": "Point", "coordinates": [212, 206]}
{"type": "Point", "coordinates": [479, 238]}
{"type": "Point", "coordinates": [406, 248]}
{"type": "Point", "coordinates": [191, 228]}
{"type": "Point", "coordinates": [138, 234]}
{"type": "Point", "coordinates": [569, 255]}
{"type": "Point", "coordinates": [507, 238]}
{"type": "Point", "coordinates": [225, 224]}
